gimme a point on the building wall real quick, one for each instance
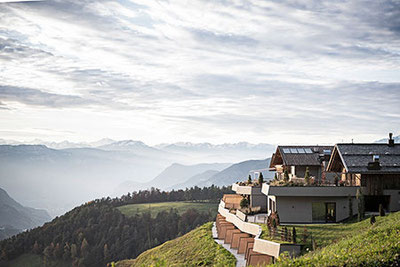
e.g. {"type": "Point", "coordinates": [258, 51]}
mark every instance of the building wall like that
{"type": "Point", "coordinates": [394, 204]}
{"type": "Point", "coordinates": [259, 200]}
{"type": "Point", "coordinates": [299, 209]}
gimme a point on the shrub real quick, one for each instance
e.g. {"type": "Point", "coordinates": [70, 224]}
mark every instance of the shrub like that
{"type": "Point", "coordinates": [244, 203]}
{"type": "Point", "coordinates": [286, 176]}
{"type": "Point", "coordinates": [260, 179]}
{"type": "Point", "coordinates": [294, 235]}
{"type": "Point", "coordinates": [249, 179]}
{"type": "Point", "coordinates": [381, 210]}
{"type": "Point", "coordinates": [372, 220]}
{"type": "Point", "coordinates": [307, 176]}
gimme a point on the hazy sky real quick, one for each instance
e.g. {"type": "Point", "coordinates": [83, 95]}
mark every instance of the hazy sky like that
{"type": "Point", "coordinates": [201, 71]}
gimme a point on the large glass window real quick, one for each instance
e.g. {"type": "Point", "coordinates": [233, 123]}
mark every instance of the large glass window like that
{"type": "Point", "coordinates": [318, 212]}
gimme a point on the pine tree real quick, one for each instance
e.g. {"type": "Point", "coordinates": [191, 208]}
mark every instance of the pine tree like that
{"type": "Point", "coordinates": [106, 253]}
{"type": "Point", "coordinates": [260, 179]}
{"type": "Point", "coordinates": [294, 235]}
{"type": "Point", "coordinates": [286, 176]}
{"type": "Point", "coordinates": [36, 248]}
{"type": "Point", "coordinates": [74, 251]}
{"type": "Point", "coordinates": [307, 176]}
{"type": "Point", "coordinates": [67, 252]}
{"type": "Point", "coordinates": [249, 179]}
{"type": "Point", "coordinates": [84, 248]}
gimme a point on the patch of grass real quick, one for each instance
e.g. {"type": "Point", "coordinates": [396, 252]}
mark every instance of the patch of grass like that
{"type": "Point", "coordinates": [180, 206]}
{"type": "Point", "coordinates": [33, 260]}
{"type": "Point", "coordinates": [367, 245]}
{"type": "Point", "coordinates": [323, 234]}
{"type": "Point", "coordinates": [196, 248]}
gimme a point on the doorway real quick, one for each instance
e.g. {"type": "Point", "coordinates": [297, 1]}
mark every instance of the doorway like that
{"type": "Point", "coordinates": [330, 212]}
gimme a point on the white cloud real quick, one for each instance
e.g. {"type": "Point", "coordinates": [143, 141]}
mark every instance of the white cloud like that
{"type": "Point", "coordinates": [202, 70]}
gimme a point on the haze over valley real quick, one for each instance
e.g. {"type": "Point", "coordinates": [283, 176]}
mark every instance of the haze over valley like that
{"type": "Point", "coordinates": [59, 176]}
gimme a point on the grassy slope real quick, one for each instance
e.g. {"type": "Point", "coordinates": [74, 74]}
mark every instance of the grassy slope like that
{"type": "Point", "coordinates": [154, 208]}
{"type": "Point", "coordinates": [324, 234]}
{"type": "Point", "coordinates": [362, 245]}
{"type": "Point", "coordinates": [33, 260]}
{"type": "Point", "coordinates": [196, 248]}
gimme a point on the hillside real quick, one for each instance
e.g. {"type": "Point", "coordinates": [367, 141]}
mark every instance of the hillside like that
{"type": "Point", "coordinates": [178, 173]}
{"type": "Point", "coordinates": [358, 244]}
{"type": "Point", "coordinates": [97, 233]}
{"type": "Point", "coordinates": [195, 180]}
{"type": "Point", "coordinates": [15, 218]}
{"type": "Point", "coordinates": [238, 172]}
{"type": "Point", "coordinates": [180, 206]}
{"type": "Point", "coordinates": [196, 248]}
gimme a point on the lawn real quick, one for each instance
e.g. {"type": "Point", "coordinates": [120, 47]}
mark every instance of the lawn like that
{"type": "Point", "coordinates": [323, 234]}
{"type": "Point", "coordinates": [196, 248]}
{"type": "Point", "coordinates": [360, 244]}
{"type": "Point", "coordinates": [180, 206]}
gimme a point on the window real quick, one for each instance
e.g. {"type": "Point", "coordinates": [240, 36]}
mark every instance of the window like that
{"type": "Point", "coordinates": [286, 150]}
{"type": "Point", "coordinates": [327, 152]}
{"type": "Point", "coordinates": [293, 150]}
{"type": "Point", "coordinates": [308, 150]}
{"type": "Point", "coordinates": [301, 150]}
{"type": "Point", "coordinates": [318, 212]}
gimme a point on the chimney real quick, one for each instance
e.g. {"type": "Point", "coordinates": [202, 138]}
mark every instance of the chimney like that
{"type": "Point", "coordinates": [375, 164]}
{"type": "Point", "coordinates": [391, 141]}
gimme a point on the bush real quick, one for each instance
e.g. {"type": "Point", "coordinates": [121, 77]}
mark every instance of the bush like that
{"type": "Point", "coordinates": [307, 176]}
{"type": "Point", "coordinates": [244, 203]}
{"type": "Point", "coordinates": [260, 179]}
{"type": "Point", "coordinates": [286, 176]}
{"type": "Point", "coordinates": [381, 210]}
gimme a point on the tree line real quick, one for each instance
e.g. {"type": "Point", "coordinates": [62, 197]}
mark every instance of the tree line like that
{"type": "Point", "coordinates": [96, 233]}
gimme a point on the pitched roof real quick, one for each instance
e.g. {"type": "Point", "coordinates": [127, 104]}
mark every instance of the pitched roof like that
{"type": "Point", "coordinates": [355, 158]}
{"type": "Point", "coordinates": [299, 155]}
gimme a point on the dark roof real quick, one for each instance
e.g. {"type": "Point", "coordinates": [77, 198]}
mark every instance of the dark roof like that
{"type": "Point", "coordinates": [355, 157]}
{"type": "Point", "coordinates": [299, 155]}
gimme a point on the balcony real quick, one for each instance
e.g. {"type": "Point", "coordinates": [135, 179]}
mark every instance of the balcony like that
{"type": "Point", "coordinates": [246, 189]}
{"type": "Point", "coordinates": [307, 191]}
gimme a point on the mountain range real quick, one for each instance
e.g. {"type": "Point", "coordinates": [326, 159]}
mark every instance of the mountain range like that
{"type": "Point", "coordinates": [58, 179]}
{"type": "Point", "coordinates": [15, 218]}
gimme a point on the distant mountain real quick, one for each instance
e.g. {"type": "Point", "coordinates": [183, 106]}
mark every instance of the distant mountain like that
{"type": "Point", "coordinates": [194, 180]}
{"type": "Point", "coordinates": [59, 145]}
{"type": "Point", "coordinates": [58, 180]}
{"type": "Point", "coordinates": [385, 140]}
{"type": "Point", "coordinates": [239, 172]}
{"type": "Point", "coordinates": [15, 218]}
{"type": "Point", "coordinates": [137, 147]}
{"type": "Point", "coordinates": [206, 152]}
{"type": "Point", "coordinates": [178, 173]}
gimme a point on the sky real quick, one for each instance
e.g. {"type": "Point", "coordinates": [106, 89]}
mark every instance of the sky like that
{"type": "Point", "coordinates": [279, 72]}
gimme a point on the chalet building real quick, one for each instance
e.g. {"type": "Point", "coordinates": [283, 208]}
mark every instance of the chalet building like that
{"type": "Point", "coordinates": [295, 160]}
{"type": "Point", "coordinates": [375, 167]}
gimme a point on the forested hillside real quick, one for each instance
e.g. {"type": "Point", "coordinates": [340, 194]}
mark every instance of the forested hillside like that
{"type": "Point", "coordinates": [97, 233]}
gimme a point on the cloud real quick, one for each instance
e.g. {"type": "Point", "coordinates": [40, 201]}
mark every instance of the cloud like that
{"type": "Point", "coordinates": [226, 65]}
{"type": "Point", "coordinates": [36, 97]}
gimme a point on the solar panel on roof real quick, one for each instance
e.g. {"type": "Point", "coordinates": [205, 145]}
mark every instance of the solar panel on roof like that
{"type": "Point", "coordinates": [293, 150]}
{"type": "Point", "coordinates": [308, 150]}
{"type": "Point", "coordinates": [286, 150]}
